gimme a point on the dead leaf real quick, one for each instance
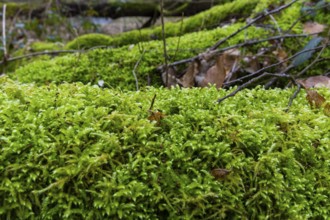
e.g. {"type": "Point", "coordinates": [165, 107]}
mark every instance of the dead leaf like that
{"type": "Point", "coordinates": [280, 54]}
{"type": "Point", "coordinates": [318, 101]}
{"type": "Point", "coordinates": [172, 80]}
{"type": "Point", "coordinates": [230, 59]}
{"type": "Point", "coordinates": [314, 98]}
{"type": "Point", "coordinates": [315, 82]}
{"type": "Point", "coordinates": [220, 173]}
{"type": "Point", "coordinates": [313, 27]}
{"type": "Point", "coordinates": [251, 64]}
{"type": "Point", "coordinates": [214, 75]}
{"type": "Point", "coordinates": [156, 116]}
{"type": "Point", "coordinates": [188, 79]}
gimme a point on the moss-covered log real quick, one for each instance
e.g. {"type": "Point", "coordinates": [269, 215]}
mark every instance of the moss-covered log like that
{"type": "Point", "coordinates": [115, 65]}
{"type": "Point", "coordinates": [81, 152]}
{"type": "Point", "coordinates": [110, 8]}
{"type": "Point", "coordinates": [202, 21]}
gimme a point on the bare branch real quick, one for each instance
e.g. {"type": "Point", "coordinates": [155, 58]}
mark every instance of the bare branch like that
{"type": "Point", "coordinates": [247, 43]}
{"type": "Point", "coordinates": [263, 15]}
{"type": "Point", "coordinates": [4, 32]}
{"type": "Point", "coordinates": [270, 66]}
{"type": "Point", "coordinates": [39, 54]}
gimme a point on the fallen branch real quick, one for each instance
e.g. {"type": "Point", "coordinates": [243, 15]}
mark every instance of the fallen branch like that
{"type": "Point", "coordinates": [55, 52]}
{"type": "Point", "coordinates": [268, 67]}
{"type": "Point", "coordinates": [243, 86]}
{"type": "Point", "coordinates": [293, 97]}
{"type": "Point", "coordinates": [247, 43]}
{"type": "Point", "coordinates": [263, 15]}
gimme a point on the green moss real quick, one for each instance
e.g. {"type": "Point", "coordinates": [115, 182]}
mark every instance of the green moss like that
{"type": "Point", "coordinates": [115, 65]}
{"type": "Point", "coordinates": [43, 46]}
{"type": "Point", "coordinates": [204, 20]}
{"type": "Point", "coordinates": [76, 151]}
{"type": "Point", "coordinates": [89, 40]}
{"type": "Point", "coordinates": [13, 8]}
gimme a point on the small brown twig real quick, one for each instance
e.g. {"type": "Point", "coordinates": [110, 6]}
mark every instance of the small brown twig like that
{"type": "Point", "coordinates": [152, 102]}
{"type": "Point", "coordinates": [293, 97]}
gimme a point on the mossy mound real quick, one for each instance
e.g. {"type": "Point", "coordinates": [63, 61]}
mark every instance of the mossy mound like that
{"type": "Point", "coordinates": [115, 66]}
{"type": "Point", "coordinates": [76, 151]}
{"type": "Point", "coordinates": [202, 21]}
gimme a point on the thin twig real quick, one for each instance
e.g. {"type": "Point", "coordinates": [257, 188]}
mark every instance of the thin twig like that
{"type": "Point", "coordinates": [270, 66]}
{"type": "Point", "coordinates": [40, 53]}
{"type": "Point", "coordinates": [164, 39]}
{"type": "Point", "coordinates": [247, 43]}
{"type": "Point", "coordinates": [152, 102]}
{"type": "Point", "coordinates": [263, 15]}
{"type": "Point", "coordinates": [276, 24]}
{"type": "Point", "coordinates": [309, 12]}
{"type": "Point", "coordinates": [282, 74]}
{"type": "Point", "coordinates": [135, 67]}
{"type": "Point", "coordinates": [5, 55]}
{"type": "Point", "coordinates": [314, 61]}
{"type": "Point", "coordinates": [293, 97]}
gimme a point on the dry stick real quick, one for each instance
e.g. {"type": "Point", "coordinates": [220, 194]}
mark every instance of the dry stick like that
{"type": "Point", "coordinates": [293, 97]}
{"type": "Point", "coordinates": [270, 66]}
{"type": "Point", "coordinates": [314, 61]}
{"type": "Point", "coordinates": [216, 45]}
{"type": "Point", "coordinates": [152, 102]}
{"type": "Point", "coordinates": [40, 53]}
{"type": "Point", "coordinates": [164, 40]}
{"type": "Point", "coordinates": [135, 67]}
{"type": "Point", "coordinates": [304, 70]}
{"type": "Point", "coordinates": [247, 43]}
{"type": "Point", "coordinates": [307, 13]}
{"type": "Point", "coordinates": [4, 33]}
{"type": "Point", "coordinates": [263, 15]}
{"type": "Point", "coordinates": [282, 74]}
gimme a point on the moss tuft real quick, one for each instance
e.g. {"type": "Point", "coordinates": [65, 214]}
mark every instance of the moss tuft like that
{"type": "Point", "coordinates": [77, 151]}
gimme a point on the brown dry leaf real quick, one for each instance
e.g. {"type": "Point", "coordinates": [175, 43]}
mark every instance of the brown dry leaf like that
{"type": "Point", "coordinates": [156, 116]}
{"type": "Point", "coordinates": [326, 109]}
{"type": "Point", "coordinates": [230, 59]}
{"type": "Point", "coordinates": [313, 27]}
{"type": "Point", "coordinates": [188, 79]}
{"type": "Point", "coordinates": [172, 80]}
{"type": "Point", "coordinates": [214, 75]}
{"type": "Point", "coordinates": [251, 63]}
{"type": "Point", "coordinates": [315, 82]}
{"type": "Point", "coordinates": [314, 98]}
{"type": "Point", "coordinates": [220, 173]}
{"type": "Point", "coordinates": [280, 54]}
